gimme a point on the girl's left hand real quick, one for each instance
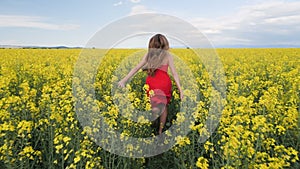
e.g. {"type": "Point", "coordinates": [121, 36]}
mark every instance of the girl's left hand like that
{"type": "Point", "coordinates": [121, 83]}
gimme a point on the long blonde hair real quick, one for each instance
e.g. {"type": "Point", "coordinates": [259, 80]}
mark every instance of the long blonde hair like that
{"type": "Point", "coordinates": [157, 51]}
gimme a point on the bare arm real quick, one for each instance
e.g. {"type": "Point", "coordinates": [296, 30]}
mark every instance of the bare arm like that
{"type": "Point", "coordinates": [133, 71]}
{"type": "Point", "coordinates": [175, 75]}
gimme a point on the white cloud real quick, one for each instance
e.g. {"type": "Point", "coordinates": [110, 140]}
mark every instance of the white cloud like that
{"type": "Point", "coordinates": [118, 3]}
{"type": "Point", "coordinates": [139, 9]}
{"type": "Point", "coordinates": [262, 24]}
{"type": "Point", "coordinates": [10, 42]}
{"type": "Point", "coordinates": [272, 22]}
{"type": "Point", "coordinates": [32, 22]}
{"type": "Point", "coordinates": [135, 1]}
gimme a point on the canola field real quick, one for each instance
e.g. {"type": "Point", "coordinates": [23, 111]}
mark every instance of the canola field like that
{"type": "Point", "coordinates": [259, 124]}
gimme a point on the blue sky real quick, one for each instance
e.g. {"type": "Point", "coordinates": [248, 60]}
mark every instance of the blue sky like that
{"type": "Point", "coordinates": [225, 23]}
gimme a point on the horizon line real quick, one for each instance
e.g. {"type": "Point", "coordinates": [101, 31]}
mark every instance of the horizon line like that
{"type": "Point", "coordinates": [174, 47]}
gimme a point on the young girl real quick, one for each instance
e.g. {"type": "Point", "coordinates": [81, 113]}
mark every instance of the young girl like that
{"type": "Point", "coordinates": [156, 63]}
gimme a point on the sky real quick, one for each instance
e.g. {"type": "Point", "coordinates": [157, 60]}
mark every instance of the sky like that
{"type": "Point", "coordinates": [231, 23]}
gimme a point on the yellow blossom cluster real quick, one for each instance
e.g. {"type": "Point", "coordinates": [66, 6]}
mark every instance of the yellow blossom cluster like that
{"type": "Point", "coordinates": [51, 117]}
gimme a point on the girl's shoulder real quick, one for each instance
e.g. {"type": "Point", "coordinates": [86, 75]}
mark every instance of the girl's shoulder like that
{"type": "Point", "coordinates": [165, 61]}
{"type": "Point", "coordinates": [169, 56]}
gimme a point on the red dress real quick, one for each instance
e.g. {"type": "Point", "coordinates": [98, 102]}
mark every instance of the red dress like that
{"type": "Point", "coordinates": [161, 85]}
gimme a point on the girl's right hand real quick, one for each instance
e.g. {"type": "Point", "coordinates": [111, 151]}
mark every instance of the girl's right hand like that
{"type": "Point", "coordinates": [181, 95]}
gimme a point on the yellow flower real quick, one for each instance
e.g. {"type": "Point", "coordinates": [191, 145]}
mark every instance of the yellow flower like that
{"type": "Point", "coordinates": [280, 129]}
{"type": "Point", "coordinates": [58, 148]}
{"type": "Point", "coordinates": [129, 147]}
{"type": "Point", "coordinates": [141, 119]}
{"type": "Point", "coordinates": [77, 159]}
{"type": "Point", "coordinates": [182, 141]}
{"type": "Point", "coordinates": [66, 139]}
{"type": "Point", "coordinates": [7, 127]}
{"type": "Point", "coordinates": [146, 87]}
{"type": "Point", "coordinates": [208, 146]}
{"type": "Point", "coordinates": [148, 107]}
{"type": "Point", "coordinates": [202, 163]}
{"type": "Point", "coordinates": [27, 152]}
{"type": "Point", "coordinates": [151, 93]}
{"type": "Point", "coordinates": [24, 126]}
{"type": "Point", "coordinates": [180, 117]}
{"type": "Point", "coordinates": [261, 106]}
